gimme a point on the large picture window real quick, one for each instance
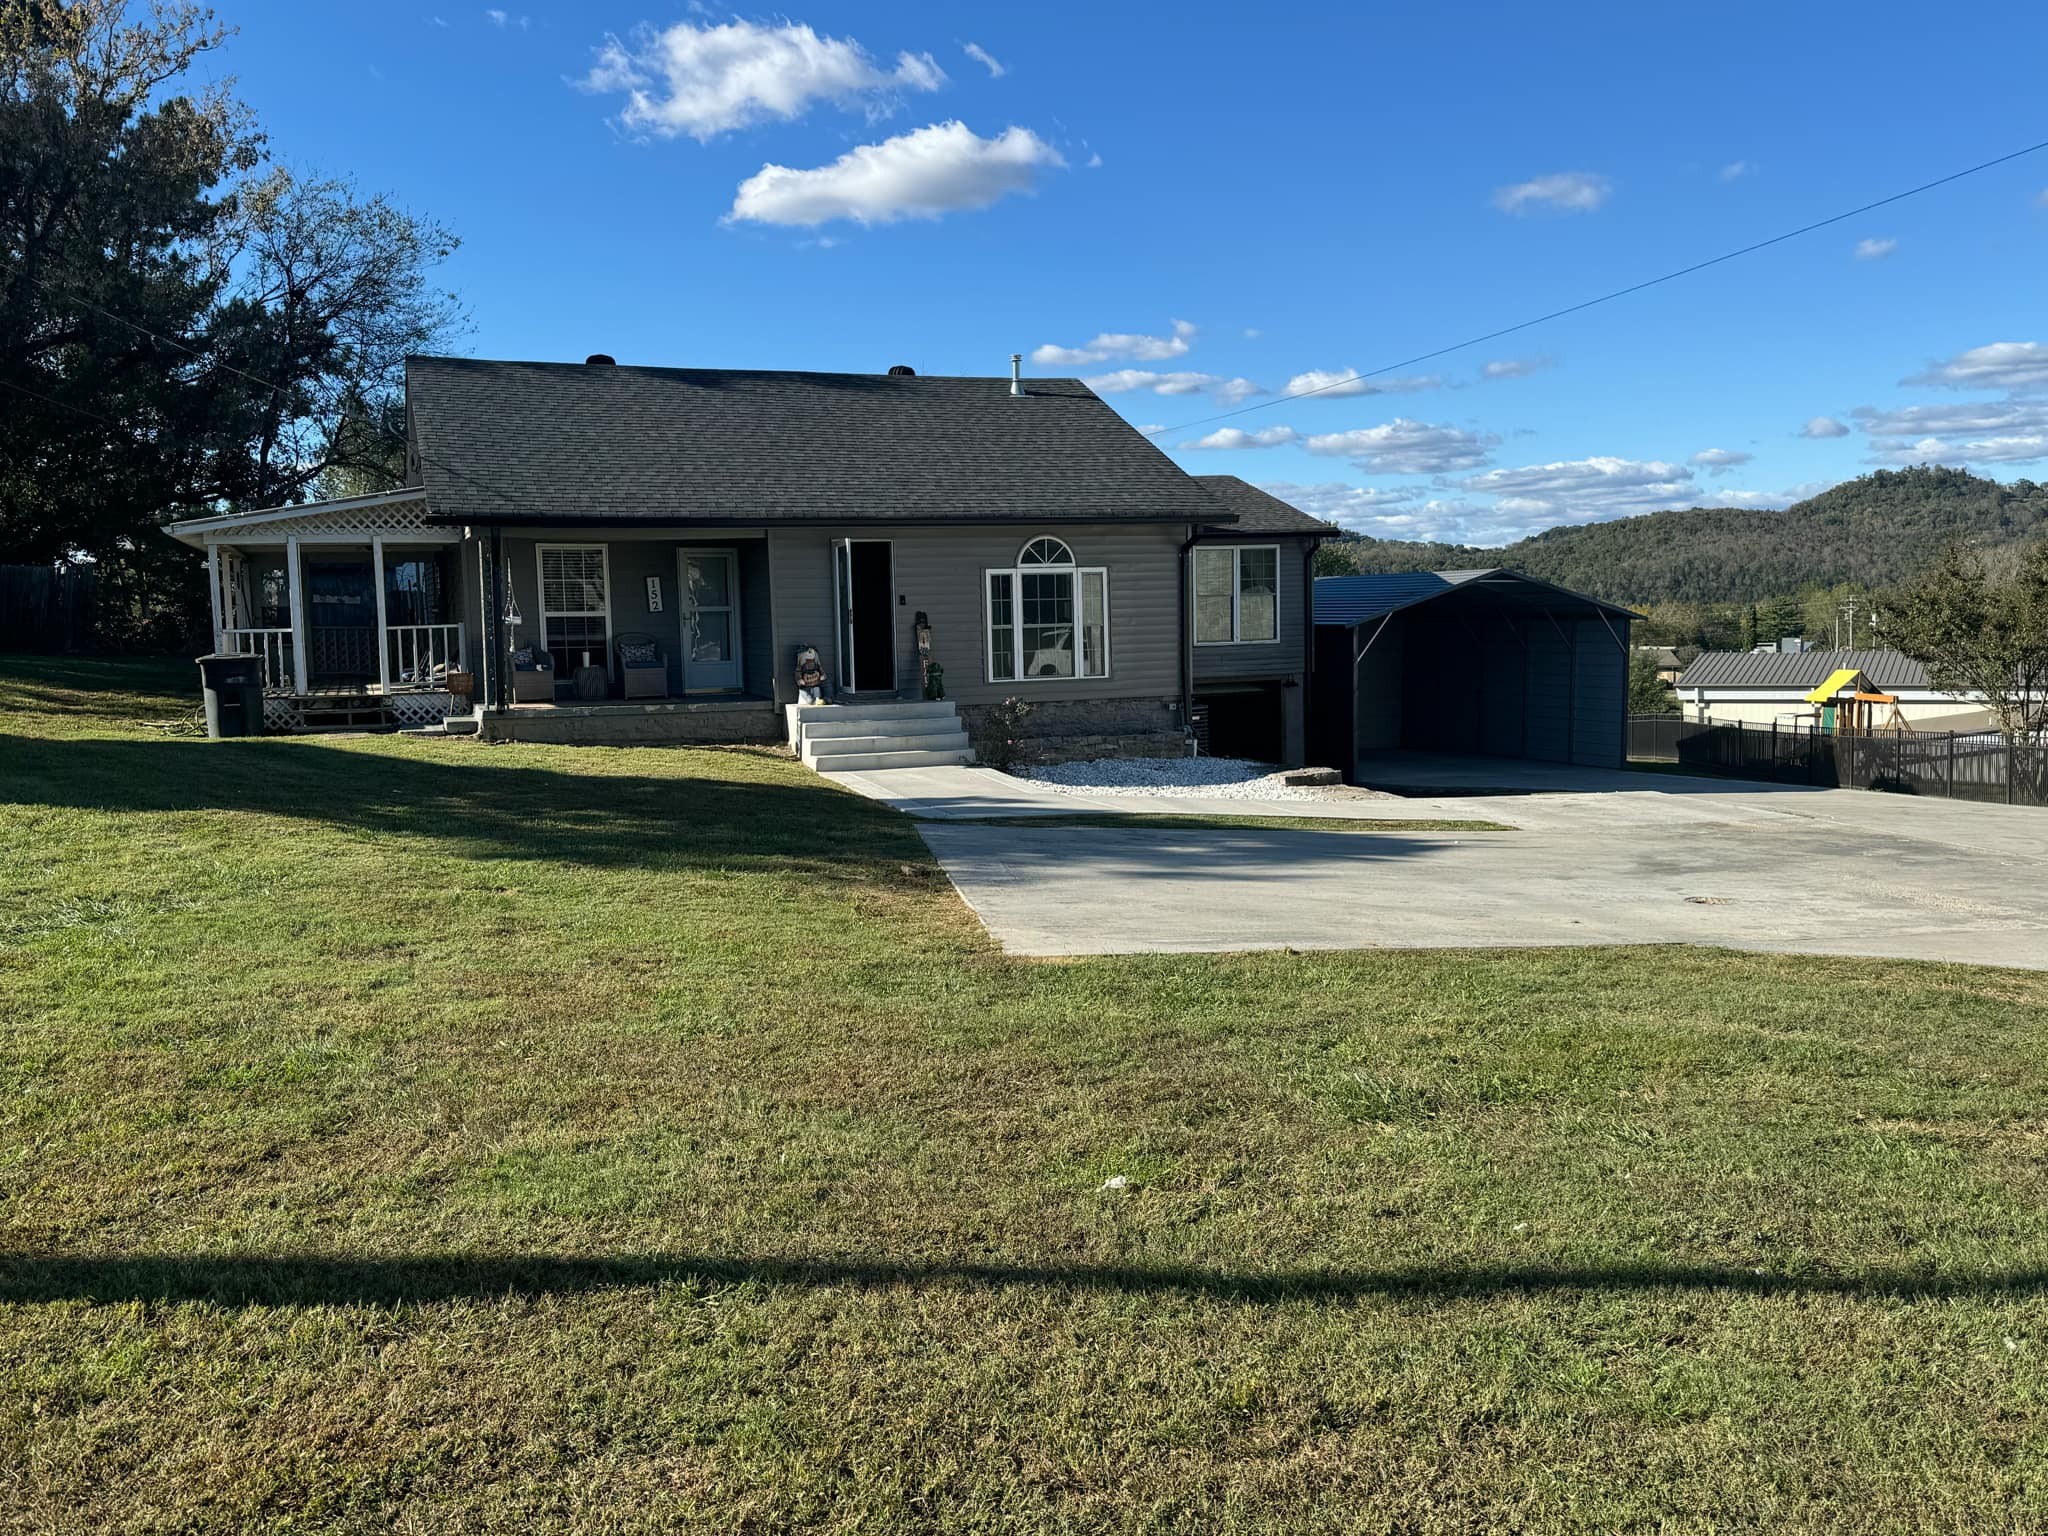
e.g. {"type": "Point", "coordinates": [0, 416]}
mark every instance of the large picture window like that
{"type": "Point", "coordinates": [575, 606]}
{"type": "Point", "coordinates": [1237, 594]}
{"type": "Point", "coordinates": [1047, 616]}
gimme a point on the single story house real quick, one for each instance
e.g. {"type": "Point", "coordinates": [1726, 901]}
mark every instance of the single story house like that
{"type": "Point", "coordinates": [594, 552]}
{"type": "Point", "coordinates": [1766, 687]}
{"type": "Point", "coordinates": [1491, 662]}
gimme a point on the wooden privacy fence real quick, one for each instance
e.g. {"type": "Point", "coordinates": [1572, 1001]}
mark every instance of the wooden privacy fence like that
{"type": "Point", "coordinates": [1978, 766]}
{"type": "Point", "coordinates": [46, 608]}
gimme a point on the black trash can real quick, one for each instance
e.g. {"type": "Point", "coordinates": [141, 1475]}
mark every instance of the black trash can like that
{"type": "Point", "coordinates": [234, 694]}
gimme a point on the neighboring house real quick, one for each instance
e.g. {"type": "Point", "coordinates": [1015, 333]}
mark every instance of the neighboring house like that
{"type": "Point", "coordinates": [1762, 687]}
{"type": "Point", "coordinates": [1487, 661]}
{"type": "Point", "coordinates": [720, 519]}
{"type": "Point", "coordinates": [1665, 659]}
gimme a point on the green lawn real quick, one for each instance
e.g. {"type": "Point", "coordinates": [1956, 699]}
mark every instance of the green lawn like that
{"type": "Point", "coordinates": [434, 1137]}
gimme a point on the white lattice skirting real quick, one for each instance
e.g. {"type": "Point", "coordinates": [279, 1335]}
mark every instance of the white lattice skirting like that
{"type": "Point", "coordinates": [291, 713]}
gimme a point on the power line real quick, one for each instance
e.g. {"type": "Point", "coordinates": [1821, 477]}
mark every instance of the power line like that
{"type": "Point", "coordinates": [1620, 293]}
{"type": "Point", "coordinates": [62, 405]}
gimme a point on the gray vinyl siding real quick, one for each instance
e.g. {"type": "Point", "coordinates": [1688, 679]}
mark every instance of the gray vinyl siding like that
{"type": "Point", "coordinates": [631, 561]}
{"type": "Point", "coordinates": [800, 579]}
{"type": "Point", "coordinates": [1281, 657]}
{"type": "Point", "coordinates": [939, 572]}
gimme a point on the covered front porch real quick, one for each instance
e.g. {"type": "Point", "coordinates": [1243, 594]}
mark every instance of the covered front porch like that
{"type": "Point", "coordinates": [355, 608]}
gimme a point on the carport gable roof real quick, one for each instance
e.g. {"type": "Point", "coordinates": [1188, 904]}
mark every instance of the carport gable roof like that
{"type": "Point", "coordinates": [1350, 600]}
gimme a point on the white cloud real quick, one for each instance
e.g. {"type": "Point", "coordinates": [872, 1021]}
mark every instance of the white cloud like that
{"type": "Point", "coordinates": [1404, 447]}
{"type": "Point", "coordinates": [1125, 380]}
{"type": "Point", "coordinates": [1875, 249]}
{"type": "Point", "coordinates": [1566, 192]}
{"type": "Point", "coordinates": [1118, 346]}
{"type": "Point", "coordinates": [707, 80]}
{"type": "Point", "coordinates": [1515, 367]}
{"type": "Point", "coordinates": [1586, 490]}
{"type": "Point", "coordinates": [983, 57]}
{"type": "Point", "coordinates": [1334, 383]}
{"type": "Point", "coordinates": [1719, 461]}
{"type": "Point", "coordinates": [1237, 437]}
{"type": "Point", "coordinates": [920, 175]}
{"type": "Point", "coordinates": [1825, 426]}
{"type": "Point", "coordinates": [2012, 365]}
{"type": "Point", "coordinates": [1995, 432]}
{"type": "Point", "coordinates": [1237, 391]}
{"type": "Point", "coordinates": [1252, 333]}
{"type": "Point", "coordinates": [1734, 170]}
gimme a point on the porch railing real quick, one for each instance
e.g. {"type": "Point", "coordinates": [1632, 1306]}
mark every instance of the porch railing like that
{"type": "Point", "coordinates": [273, 645]}
{"type": "Point", "coordinates": [422, 655]}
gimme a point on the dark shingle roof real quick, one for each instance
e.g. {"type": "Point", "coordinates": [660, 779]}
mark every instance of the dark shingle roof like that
{"type": "Point", "coordinates": [1354, 599]}
{"type": "Point", "coordinates": [555, 442]}
{"type": "Point", "coordinates": [1259, 511]}
{"type": "Point", "coordinates": [1798, 669]}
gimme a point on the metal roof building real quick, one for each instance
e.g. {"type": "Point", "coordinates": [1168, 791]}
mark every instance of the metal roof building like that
{"type": "Point", "coordinates": [1487, 661]}
{"type": "Point", "coordinates": [1771, 687]}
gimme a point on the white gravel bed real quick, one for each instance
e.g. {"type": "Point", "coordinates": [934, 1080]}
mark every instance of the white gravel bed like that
{"type": "Point", "coordinates": [1208, 778]}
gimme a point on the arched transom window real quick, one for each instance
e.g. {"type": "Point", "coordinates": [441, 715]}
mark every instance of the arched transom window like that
{"type": "Point", "coordinates": [1048, 616]}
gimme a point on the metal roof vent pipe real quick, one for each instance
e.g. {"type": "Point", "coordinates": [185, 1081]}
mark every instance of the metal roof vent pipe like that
{"type": "Point", "coordinates": [1016, 373]}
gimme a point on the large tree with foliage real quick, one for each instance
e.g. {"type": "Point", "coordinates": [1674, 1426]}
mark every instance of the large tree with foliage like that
{"type": "Point", "coordinates": [183, 327]}
{"type": "Point", "coordinates": [1982, 632]}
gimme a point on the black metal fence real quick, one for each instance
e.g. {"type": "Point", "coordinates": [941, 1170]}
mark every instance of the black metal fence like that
{"type": "Point", "coordinates": [1979, 766]}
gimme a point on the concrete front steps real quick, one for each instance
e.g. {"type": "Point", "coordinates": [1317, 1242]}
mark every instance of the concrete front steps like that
{"type": "Point", "coordinates": [842, 738]}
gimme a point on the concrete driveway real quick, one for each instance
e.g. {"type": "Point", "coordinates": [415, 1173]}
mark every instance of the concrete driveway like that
{"type": "Point", "coordinates": [1596, 858]}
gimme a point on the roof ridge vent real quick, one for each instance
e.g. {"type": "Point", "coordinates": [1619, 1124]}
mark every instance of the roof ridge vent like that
{"type": "Point", "coordinates": [600, 360]}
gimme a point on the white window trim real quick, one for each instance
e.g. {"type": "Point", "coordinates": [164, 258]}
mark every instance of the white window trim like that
{"type": "Point", "coordinates": [540, 596]}
{"type": "Point", "coordinates": [1016, 574]}
{"type": "Point", "coordinates": [1236, 594]}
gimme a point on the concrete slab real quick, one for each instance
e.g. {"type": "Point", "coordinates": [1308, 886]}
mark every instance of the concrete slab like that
{"type": "Point", "coordinates": [1653, 859]}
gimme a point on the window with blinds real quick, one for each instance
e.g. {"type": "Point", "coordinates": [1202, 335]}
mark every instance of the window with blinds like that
{"type": "Point", "coordinates": [575, 603]}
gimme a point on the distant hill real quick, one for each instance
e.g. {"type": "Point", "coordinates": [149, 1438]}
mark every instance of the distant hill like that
{"type": "Point", "coordinates": [1875, 531]}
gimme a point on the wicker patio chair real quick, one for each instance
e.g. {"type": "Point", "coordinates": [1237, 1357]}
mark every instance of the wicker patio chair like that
{"type": "Point", "coordinates": [643, 673]}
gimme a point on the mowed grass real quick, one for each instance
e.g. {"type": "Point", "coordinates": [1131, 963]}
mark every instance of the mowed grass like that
{"type": "Point", "coordinates": [420, 1136]}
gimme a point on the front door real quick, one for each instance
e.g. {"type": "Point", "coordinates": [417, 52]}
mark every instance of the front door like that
{"type": "Point", "coordinates": [710, 584]}
{"type": "Point", "coordinates": [864, 586]}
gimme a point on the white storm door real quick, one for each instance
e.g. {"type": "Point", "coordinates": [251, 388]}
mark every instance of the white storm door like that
{"type": "Point", "coordinates": [710, 585]}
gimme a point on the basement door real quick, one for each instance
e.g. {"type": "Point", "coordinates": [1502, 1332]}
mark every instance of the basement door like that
{"type": "Point", "coordinates": [864, 588]}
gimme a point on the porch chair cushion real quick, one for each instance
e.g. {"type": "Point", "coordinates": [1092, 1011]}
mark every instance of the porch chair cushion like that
{"type": "Point", "coordinates": [643, 674]}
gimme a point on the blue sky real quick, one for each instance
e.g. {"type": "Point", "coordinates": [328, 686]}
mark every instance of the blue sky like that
{"type": "Point", "coordinates": [1191, 203]}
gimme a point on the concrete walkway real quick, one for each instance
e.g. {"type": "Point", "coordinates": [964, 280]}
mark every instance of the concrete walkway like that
{"type": "Point", "coordinates": [1604, 858]}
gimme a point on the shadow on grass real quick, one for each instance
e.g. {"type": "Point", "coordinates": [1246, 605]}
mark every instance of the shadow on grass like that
{"type": "Point", "coordinates": [481, 807]}
{"type": "Point", "coordinates": [316, 1280]}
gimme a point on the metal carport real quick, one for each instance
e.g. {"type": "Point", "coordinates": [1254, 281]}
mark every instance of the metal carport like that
{"type": "Point", "coordinates": [1490, 662]}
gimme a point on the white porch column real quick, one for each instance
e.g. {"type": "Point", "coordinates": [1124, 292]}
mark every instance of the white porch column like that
{"type": "Point", "coordinates": [213, 592]}
{"type": "Point", "coordinates": [383, 634]}
{"type": "Point", "coordinates": [296, 577]}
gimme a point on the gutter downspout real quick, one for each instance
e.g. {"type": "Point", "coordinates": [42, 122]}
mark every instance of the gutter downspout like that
{"type": "Point", "coordinates": [1187, 639]}
{"type": "Point", "coordinates": [1308, 651]}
